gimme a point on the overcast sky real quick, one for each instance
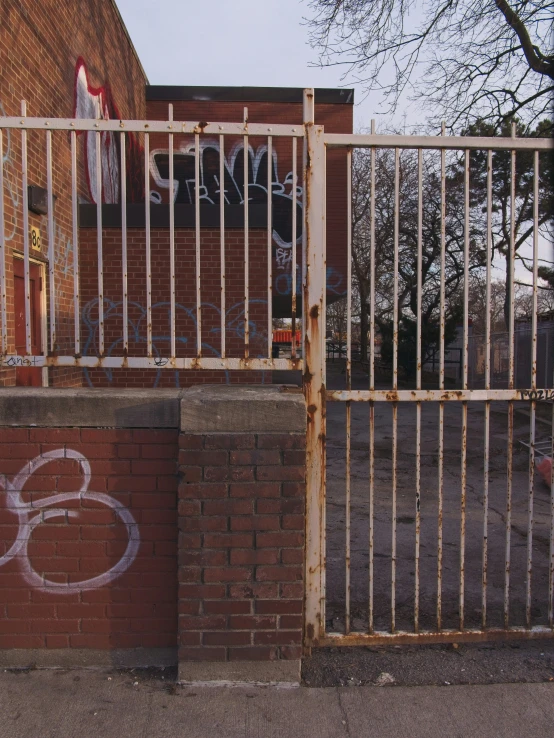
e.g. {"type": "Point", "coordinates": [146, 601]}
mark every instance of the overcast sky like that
{"type": "Point", "coordinates": [240, 43]}
{"type": "Point", "coordinates": [260, 43]}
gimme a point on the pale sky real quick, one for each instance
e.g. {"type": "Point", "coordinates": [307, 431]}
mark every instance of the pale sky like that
{"type": "Point", "coordinates": [261, 43]}
{"type": "Point", "coordinates": [242, 43]}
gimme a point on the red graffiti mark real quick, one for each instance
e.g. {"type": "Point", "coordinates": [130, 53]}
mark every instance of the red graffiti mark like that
{"type": "Point", "coordinates": [98, 103]}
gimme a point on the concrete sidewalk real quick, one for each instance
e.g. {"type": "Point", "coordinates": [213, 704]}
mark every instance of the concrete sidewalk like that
{"type": "Point", "coordinates": [83, 704]}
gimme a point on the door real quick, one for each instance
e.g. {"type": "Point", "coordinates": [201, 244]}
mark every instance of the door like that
{"type": "Point", "coordinates": [27, 376]}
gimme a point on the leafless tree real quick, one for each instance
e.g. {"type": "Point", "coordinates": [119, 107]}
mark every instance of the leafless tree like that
{"type": "Point", "coordinates": [466, 59]}
{"type": "Point", "coordinates": [524, 185]}
{"type": "Point", "coordinates": [431, 243]}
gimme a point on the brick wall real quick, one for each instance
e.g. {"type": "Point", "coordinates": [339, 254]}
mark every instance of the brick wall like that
{"type": "Point", "coordinates": [132, 470]}
{"type": "Point", "coordinates": [43, 48]}
{"type": "Point", "coordinates": [175, 532]}
{"type": "Point", "coordinates": [241, 546]}
{"type": "Point", "coordinates": [185, 297]}
{"type": "Point", "coordinates": [336, 118]}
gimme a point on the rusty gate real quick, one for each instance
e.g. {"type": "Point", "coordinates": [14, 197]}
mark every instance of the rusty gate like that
{"type": "Point", "coordinates": [424, 547]}
{"type": "Point", "coordinates": [424, 524]}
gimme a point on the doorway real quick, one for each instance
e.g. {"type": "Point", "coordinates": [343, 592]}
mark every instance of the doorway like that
{"type": "Point", "coordinates": [28, 376]}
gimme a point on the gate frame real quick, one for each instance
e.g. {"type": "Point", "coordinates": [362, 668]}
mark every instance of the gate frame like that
{"type": "Point", "coordinates": [316, 394]}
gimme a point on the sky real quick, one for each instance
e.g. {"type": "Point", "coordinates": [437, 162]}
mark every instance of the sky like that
{"type": "Point", "coordinates": [249, 43]}
{"type": "Point", "coordinates": [243, 43]}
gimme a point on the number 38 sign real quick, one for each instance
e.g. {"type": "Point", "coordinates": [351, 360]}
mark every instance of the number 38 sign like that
{"type": "Point", "coordinates": [35, 239]}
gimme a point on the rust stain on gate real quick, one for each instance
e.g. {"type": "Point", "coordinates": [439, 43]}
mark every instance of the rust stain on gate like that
{"type": "Point", "coordinates": [314, 382]}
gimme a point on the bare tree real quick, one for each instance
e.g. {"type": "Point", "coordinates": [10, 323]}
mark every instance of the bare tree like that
{"type": "Point", "coordinates": [465, 58]}
{"type": "Point", "coordinates": [524, 184]}
{"type": "Point", "coordinates": [431, 243]}
{"type": "Point", "coordinates": [477, 303]}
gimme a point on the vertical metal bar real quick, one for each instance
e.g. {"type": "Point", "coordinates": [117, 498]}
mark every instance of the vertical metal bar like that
{"type": "Point", "coordinates": [147, 244]}
{"type": "Point", "coordinates": [395, 384]}
{"type": "Point", "coordinates": [172, 238]}
{"type": "Point", "coordinates": [124, 287]}
{"type": "Point", "coordinates": [51, 254]}
{"type": "Point", "coordinates": [371, 384]}
{"type": "Point", "coordinates": [348, 517]}
{"type": "Point", "coordinates": [3, 296]}
{"type": "Point", "coordinates": [465, 357]}
{"type": "Point", "coordinates": [533, 386]}
{"type": "Point", "coordinates": [349, 269]}
{"type": "Point", "coordinates": [348, 375]}
{"type": "Point", "coordinates": [418, 384]}
{"type": "Point", "coordinates": [293, 245]}
{"type": "Point", "coordinates": [395, 268]}
{"type": "Point", "coordinates": [246, 250]}
{"type": "Point", "coordinates": [98, 141]}
{"type": "Point", "coordinates": [197, 242]}
{"type": "Point", "coordinates": [26, 267]}
{"type": "Point", "coordinates": [551, 565]}
{"type": "Point", "coordinates": [75, 235]}
{"type": "Point", "coordinates": [270, 247]}
{"type": "Point", "coordinates": [314, 375]}
{"type": "Point", "coordinates": [442, 262]}
{"type": "Point", "coordinates": [487, 403]}
{"type": "Point", "coordinates": [441, 386]}
{"type": "Point", "coordinates": [511, 335]}
{"type": "Point", "coordinates": [222, 237]}
{"type": "Point", "coordinates": [463, 476]}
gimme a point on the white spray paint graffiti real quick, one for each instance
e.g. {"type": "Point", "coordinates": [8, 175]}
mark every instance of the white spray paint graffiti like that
{"type": "Point", "coordinates": [92, 102]}
{"type": "Point", "coordinates": [233, 186]}
{"type": "Point", "coordinates": [63, 258]}
{"type": "Point", "coordinates": [32, 514]}
{"type": "Point", "coordinates": [10, 179]}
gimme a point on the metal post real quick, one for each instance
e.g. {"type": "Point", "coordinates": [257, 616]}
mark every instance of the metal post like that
{"type": "Point", "coordinates": [314, 374]}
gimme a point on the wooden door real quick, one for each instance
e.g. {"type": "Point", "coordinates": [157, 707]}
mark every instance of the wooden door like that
{"type": "Point", "coordinates": [27, 376]}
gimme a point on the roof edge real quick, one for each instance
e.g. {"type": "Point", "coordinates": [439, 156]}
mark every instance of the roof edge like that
{"type": "Point", "coordinates": [167, 93]}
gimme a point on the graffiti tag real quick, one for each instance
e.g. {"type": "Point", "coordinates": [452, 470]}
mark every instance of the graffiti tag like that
{"type": "Point", "coordinates": [33, 513]}
{"type": "Point", "coordinates": [537, 394]}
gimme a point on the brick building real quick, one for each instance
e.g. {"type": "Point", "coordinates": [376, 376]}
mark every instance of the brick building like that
{"type": "Point", "coordinates": [184, 524]}
{"type": "Point", "coordinates": [66, 60]}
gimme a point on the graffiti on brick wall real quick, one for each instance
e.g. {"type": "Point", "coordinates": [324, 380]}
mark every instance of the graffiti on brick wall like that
{"type": "Point", "coordinates": [10, 180]}
{"type": "Point", "coordinates": [63, 259]}
{"type": "Point", "coordinates": [234, 326]}
{"type": "Point", "coordinates": [98, 103]}
{"type": "Point", "coordinates": [32, 514]}
{"type": "Point", "coordinates": [232, 188]}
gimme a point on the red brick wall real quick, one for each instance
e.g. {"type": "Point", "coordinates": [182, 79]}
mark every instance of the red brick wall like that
{"type": "Point", "coordinates": [136, 469]}
{"type": "Point", "coordinates": [336, 118]}
{"type": "Point", "coordinates": [241, 546]}
{"type": "Point", "coordinates": [40, 45]}
{"type": "Point", "coordinates": [185, 255]}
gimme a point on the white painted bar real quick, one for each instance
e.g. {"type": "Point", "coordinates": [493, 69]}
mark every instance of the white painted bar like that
{"type": "Point", "coordinates": [75, 235]}
{"type": "Point", "coordinates": [364, 141]}
{"type": "Point", "coordinates": [51, 252]}
{"type": "Point", "coordinates": [25, 203]}
{"type": "Point", "coordinates": [123, 198]}
{"type": "Point", "coordinates": [3, 296]}
{"type": "Point", "coordinates": [153, 126]}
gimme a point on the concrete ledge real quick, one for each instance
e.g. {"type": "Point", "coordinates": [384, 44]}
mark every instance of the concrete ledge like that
{"type": "Point", "coordinates": [26, 658]}
{"type": "Point", "coordinates": [89, 408]}
{"type": "Point", "coordinates": [243, 409]}
{"type": "Point", "coordinates": [239, 673]}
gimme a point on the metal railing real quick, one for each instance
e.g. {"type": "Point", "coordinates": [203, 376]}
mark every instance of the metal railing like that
{"type": "Point", "coordinates": [336, 627]}
{"type": "Point", "coordinates": [108, 148]}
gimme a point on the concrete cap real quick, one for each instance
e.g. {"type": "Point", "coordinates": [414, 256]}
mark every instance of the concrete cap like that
{"type": "Point", "coordinates": [243, 409]}
{"type": "Point", "coordinates": [89, 408]}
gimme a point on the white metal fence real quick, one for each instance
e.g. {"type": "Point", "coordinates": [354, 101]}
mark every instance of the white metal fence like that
{"type": "Point", "coordinates": [107, 147]}
{"type": "Point", "coordinates": [49, 151]}
{"type": "Point", "coordinates": [341, 483]}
